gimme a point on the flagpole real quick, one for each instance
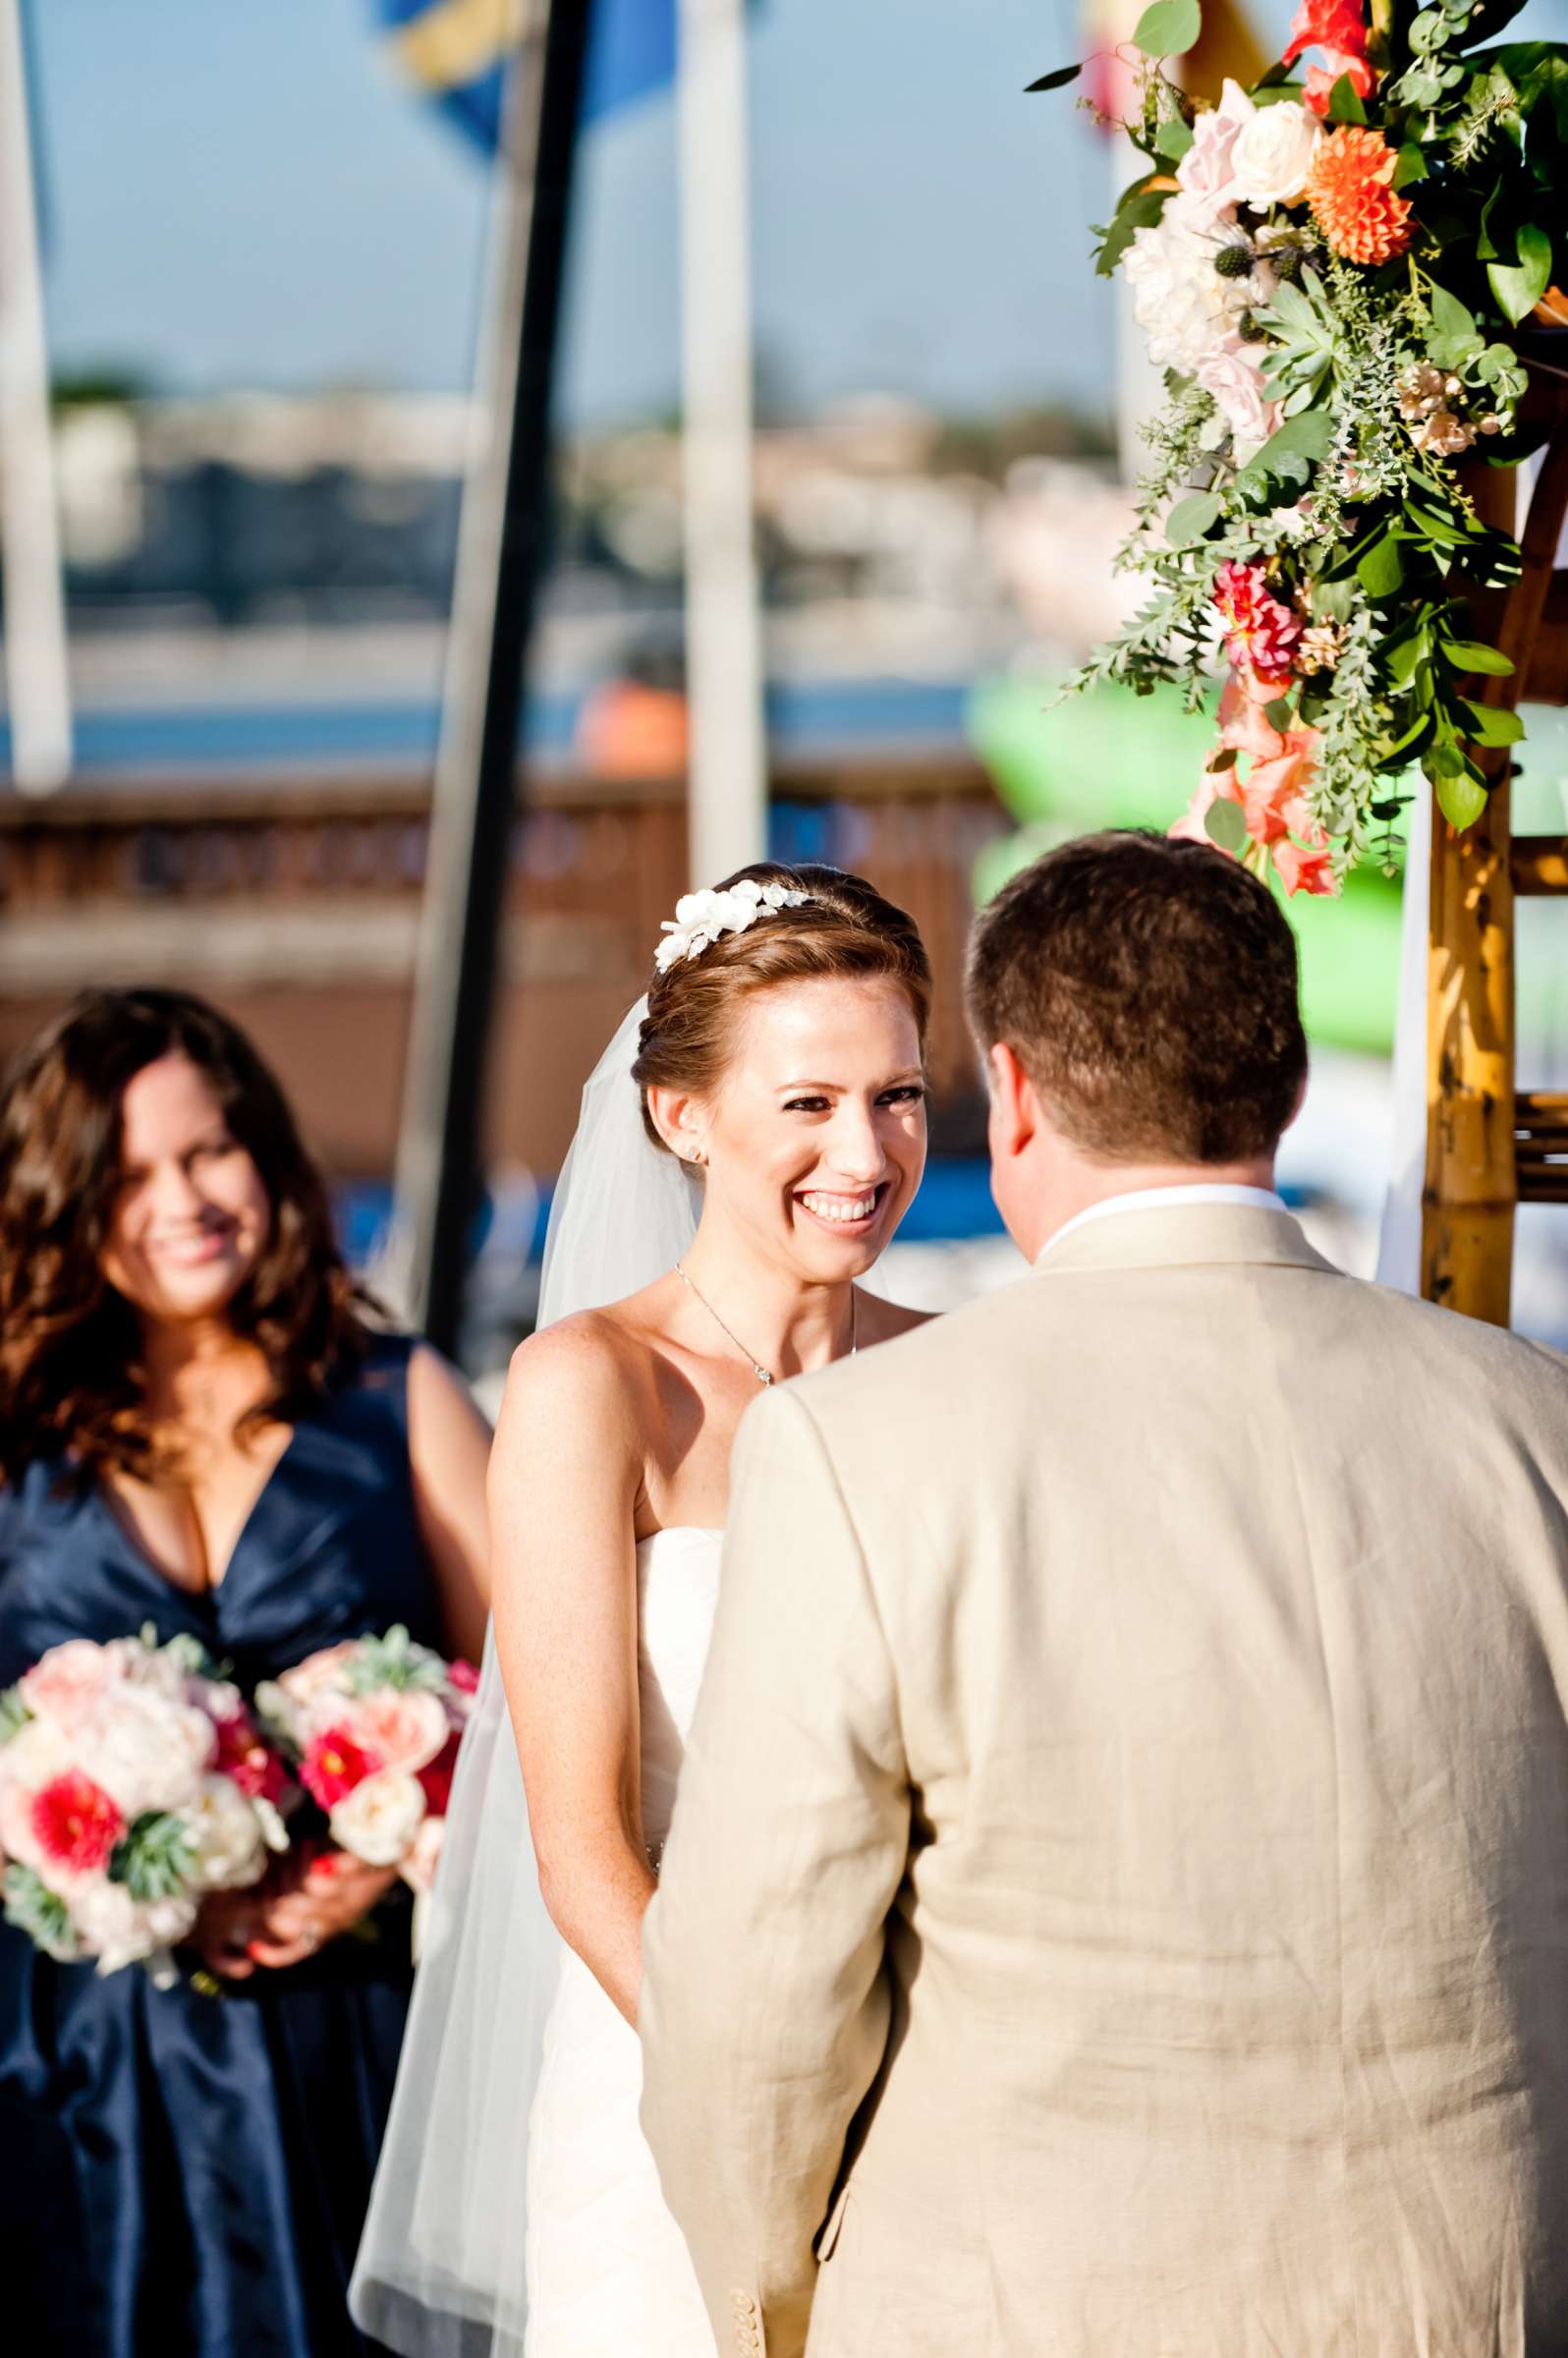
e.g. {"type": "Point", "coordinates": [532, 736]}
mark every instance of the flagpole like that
{"type": "Point", "coordinates": [477, 789]}
{"type": "Point", "coordinates": [37, 679]}
{"type": "Point", "coordinates": [727, 791]}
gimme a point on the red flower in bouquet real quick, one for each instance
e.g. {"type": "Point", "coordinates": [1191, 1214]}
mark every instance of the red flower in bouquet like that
{"type": "Point", "coordinates": [243, 1755]}
{"type": "Point", "coordinates": [1337, 27]}
{"type": "Point", "coordinates": [436, 1775]}
{"type": "Point", "coordinates": [464, 1676]}
{"type": "Point", "coordinates": [1261, 633]}
{"type": "Point", "coordinates": [1349, 188]}
{"type": "Point", "coordinates": [75, 1823]}
{"type": "Point", "coordinates": [333, 1765]}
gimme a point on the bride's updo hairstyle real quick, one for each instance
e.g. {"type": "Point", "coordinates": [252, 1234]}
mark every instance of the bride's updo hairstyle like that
{"type": "Point", "coordinates": [842, 926]}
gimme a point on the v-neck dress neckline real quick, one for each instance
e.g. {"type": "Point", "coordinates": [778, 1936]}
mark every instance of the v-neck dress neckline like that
{"type": "Point", "coordinates": [254, 1514]}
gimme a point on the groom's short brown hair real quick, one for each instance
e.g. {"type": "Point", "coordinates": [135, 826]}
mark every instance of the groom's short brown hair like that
{"type": "Point", "coordinates": [1149, 989]}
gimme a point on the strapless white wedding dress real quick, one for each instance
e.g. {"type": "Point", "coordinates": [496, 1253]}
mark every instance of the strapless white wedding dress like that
{"type": "Point", "coordinates": [608, 2270]}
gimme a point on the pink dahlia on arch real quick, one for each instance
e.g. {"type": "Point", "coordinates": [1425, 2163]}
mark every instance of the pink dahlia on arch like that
{"type": "Point", "coordinates": [1261, 633]}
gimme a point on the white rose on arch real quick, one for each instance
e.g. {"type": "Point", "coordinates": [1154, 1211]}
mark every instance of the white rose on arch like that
{"type": "Point", "coordinates": [1184, 308]}
{"type": "Point", "coordinates": [380, 1817]}
{"type": "Point", "coordinates": [1272, 156]}
{"type": "Point", "coordinates": [1235, 379]}
{"type": "Point", "coordinates": [1207, 172]}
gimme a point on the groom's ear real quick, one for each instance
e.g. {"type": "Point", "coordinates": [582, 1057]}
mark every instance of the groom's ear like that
{"type": "Point", "coordinates": [1014, 1107]}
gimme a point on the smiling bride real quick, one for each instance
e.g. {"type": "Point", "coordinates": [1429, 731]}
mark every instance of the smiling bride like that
{"type": "Point", "coordinates": [750, 1143]}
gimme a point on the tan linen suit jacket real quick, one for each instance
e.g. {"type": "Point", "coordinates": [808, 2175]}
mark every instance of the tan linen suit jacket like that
{"type": "Point", "coordinates": [1118, 1899]}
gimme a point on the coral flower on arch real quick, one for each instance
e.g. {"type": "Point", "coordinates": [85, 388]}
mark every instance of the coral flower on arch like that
{"type": "Point", "coordinates": [1349, 189]}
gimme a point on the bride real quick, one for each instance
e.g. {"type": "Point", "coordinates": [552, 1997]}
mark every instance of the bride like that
{"type": "Point", "coordinates": [748, 1145]}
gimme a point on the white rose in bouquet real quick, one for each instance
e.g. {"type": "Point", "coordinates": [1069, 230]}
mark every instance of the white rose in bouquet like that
{"type": "Point", "coordinates": [66, 1686]}
{"type": "Point", "coordinates": [1272, 156]}
{"type": "Point", "coordinates": [380, 1817]}
{"type": "Point", "coordinates": [149, 1753]}
{"type": "Point", "coordinates": [120, 1929]}
{"type": "Point", "coordinates": [230, 1851]}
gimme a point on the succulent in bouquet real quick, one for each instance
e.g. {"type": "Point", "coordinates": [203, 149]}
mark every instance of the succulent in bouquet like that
{"type": "Point", "coordinates": [373, 1726]}
{"type": "Point", "coordinates": [134, 1781]}
{"type": "Point", "coordinates": [1329, 269]}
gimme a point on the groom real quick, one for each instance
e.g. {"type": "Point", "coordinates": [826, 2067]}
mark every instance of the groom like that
{"type": "Point", "coordinates": [1118, 1902]}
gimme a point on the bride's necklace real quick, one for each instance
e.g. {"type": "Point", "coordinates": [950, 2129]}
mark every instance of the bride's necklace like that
{"type": "Point", "coordinates": [763, 1374]}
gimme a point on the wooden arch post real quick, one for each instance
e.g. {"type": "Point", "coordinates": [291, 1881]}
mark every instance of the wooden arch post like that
{"type": "Point", "coordinates": [1489, 1147]}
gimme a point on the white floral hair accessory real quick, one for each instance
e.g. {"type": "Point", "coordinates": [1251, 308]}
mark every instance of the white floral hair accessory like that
{"type": "Point", "coordinates": [701, 917]}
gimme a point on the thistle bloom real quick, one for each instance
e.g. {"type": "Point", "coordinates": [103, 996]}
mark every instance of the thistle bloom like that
{"type": "Point", "coordinates": [1363, 217]}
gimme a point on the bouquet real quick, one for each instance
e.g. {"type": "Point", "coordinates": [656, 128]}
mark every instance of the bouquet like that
{"type": "Point", "coordinates": [133, 1782]}
{"type": "Point", "coordinates": [373, 1726]}
{"type": "Point", "coordinates": [1329, 269]}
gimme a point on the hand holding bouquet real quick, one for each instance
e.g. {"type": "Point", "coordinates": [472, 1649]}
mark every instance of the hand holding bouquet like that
{"type": "Point", "coordinates": [374, 1727]}
{"type": "Point", "coordinates": [133, 1783]}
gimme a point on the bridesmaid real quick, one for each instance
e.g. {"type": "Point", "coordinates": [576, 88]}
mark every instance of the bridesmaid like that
{"type": "Point", "coordinates": [201, 1430]}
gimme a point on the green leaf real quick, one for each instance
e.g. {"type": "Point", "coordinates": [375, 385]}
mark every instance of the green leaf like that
{"type": "Point", "coordinates": [1334, 601]}
{"type": "Point", "coordinates": [1449, 315]}
{"type": "Point", "coordinates": [1344, 102]}
{"type": "Point", "coordinates": [1191, 519]}
{"type": "Point", "coordinates": [1139, 212]}
{"type": "Point", "coordinates": [1173, 139]}
{"type": "Point", "coordinates": [1278, 715]}
{"type": "Point", "coordinates": [1381, 569]}
{"type": "Point", "coordinates": [156, 1858]}
{"type": "Point", "coordinates": [1412, 165]}
{"type": "Point", "coordinates": [1397, 752]}
{"type": "Point", "coordinates": [1460, 797]}
{"type": "Point", "coordinates": [1519, 290]}
{"type": "Point", "coordinates": [1289, 454]}
{"type": "Point", "coordinates": [35, 1910]}
{"type": "Point", "coordinates": [1473, 654]}
{"type": "Point", "coordinates": [1402, 660]}
{"type": "Point", "coordinates": [1491, 724]}
{"type": "Point", "coordinates": [1225, 823]}
{"type": "Point", "coordinates": [1168, 28]}
{"type": "Point", "coordinates": [1054, 82]}
{"type": "Point", "coordinates": [14, 1714]}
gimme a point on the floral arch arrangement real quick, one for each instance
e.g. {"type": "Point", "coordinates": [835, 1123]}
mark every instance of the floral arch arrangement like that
{"type": "Point", "coordinates": [1329, 269]}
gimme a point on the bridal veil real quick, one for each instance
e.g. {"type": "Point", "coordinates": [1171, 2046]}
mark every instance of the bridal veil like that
{"type": "Point", "coordinates": [441, 2272]}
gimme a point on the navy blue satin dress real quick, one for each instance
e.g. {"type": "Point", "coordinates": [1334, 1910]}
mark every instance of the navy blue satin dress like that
{"type": "Point", "coordinates": [184, 2176]}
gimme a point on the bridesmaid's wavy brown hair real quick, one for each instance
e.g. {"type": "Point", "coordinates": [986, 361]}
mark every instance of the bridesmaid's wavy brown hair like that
{"type": "Point", "coordinates": [844, 928]}
{"type": "Point", "coordinates": [72, 1378]}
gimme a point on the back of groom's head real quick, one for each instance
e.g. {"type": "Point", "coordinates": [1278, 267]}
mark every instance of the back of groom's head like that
{"type": "Point", "coordinates": [1148, 987]}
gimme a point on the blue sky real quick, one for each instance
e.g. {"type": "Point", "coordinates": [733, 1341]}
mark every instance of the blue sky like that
{"type": "Point", "coordinates": [242, 193]}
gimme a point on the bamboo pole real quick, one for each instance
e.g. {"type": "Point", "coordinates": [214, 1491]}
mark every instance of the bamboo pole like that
{"type": "Point", "coordinates": [1471, 1187]}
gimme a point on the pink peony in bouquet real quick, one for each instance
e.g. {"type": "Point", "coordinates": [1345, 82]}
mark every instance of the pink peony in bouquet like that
{"type": "Point", "coordinates": [373, 1727]}
{"type": "Point", "coordinates": [133, 1782]}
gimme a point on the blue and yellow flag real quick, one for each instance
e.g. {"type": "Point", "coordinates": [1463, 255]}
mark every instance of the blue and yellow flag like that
{"type": "Point", "coordinates": [456, 50]}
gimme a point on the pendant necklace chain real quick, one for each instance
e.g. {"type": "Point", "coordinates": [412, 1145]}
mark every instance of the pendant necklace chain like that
{"type": "Point", "coordinates": [763, 1374]}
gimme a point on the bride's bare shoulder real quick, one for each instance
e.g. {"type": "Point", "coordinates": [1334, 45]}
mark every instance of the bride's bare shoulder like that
{"type": "Point", "coordinates": [597, 1362]}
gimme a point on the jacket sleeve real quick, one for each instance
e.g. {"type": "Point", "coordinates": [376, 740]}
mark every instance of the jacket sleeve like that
{"type": "Point", "coordinates": [765, 2003]}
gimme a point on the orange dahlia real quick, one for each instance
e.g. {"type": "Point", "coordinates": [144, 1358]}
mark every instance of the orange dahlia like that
{"type": "Point", "coordinates": [1348, 187]}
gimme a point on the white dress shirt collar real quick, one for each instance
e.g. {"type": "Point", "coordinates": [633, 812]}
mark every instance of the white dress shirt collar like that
{"type": "Point", "coordinates": [1157, 1198]}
